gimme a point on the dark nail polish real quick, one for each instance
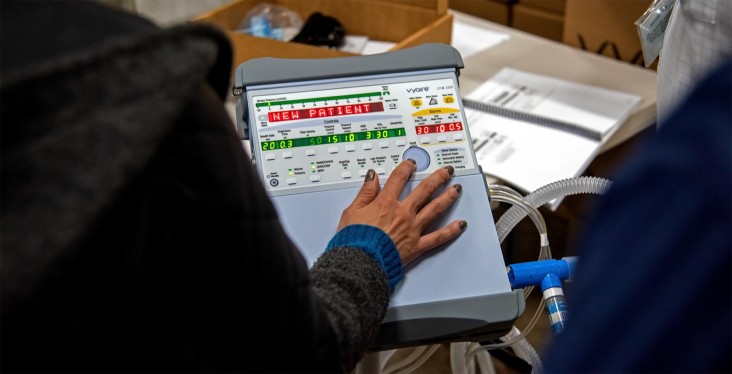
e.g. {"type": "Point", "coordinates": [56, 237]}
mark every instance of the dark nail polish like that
{"type": "Point", "coordinates": [450, 170]}
{"type": "Point", "coordinates": [463, 225]}
{"type": "Point", "coordinates": [458, 187]}
{"type": "Point", "coordinates": [370, 175]}
{"type": "Point", "coordinates": [412, 161]}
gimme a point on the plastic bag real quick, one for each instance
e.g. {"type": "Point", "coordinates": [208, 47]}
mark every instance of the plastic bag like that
{"type": "Point", "coordinates": [271, 21]}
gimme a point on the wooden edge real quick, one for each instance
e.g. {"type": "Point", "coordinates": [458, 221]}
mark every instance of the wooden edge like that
{"type": "Point", "coordinates": [220, 16]}
{"type": "Point", "coordinates": [248, 47]}
{"type": "Point", "coordinates": [436, 7]}
{"type": "Point", "coordinates": [440, 31]}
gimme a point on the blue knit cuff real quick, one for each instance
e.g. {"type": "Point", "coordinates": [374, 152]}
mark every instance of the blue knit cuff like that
{"type": "Point", "coordinates": [376, 244]}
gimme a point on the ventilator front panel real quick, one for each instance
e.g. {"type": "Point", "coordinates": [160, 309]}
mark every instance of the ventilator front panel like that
{"type": "Point", "coordinates": [313, 142]}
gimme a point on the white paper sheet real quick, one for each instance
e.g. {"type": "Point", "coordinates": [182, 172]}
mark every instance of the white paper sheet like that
{"type": "Point", "coordinates": [469, 40]}
{"type": "Point", "coordinates": [526, 152]}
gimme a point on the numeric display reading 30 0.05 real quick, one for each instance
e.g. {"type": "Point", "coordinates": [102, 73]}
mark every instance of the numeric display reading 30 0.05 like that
{"type": "Point", "coordinates": [443, 127]}
{"type": "Point", "coordinates": [332, 139]}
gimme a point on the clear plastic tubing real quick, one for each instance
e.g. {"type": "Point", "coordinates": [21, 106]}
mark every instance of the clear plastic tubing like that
{"type": "Point", "coordinates": [526, 208]}
{"type": "Point", "coordinates": [572, 186]}
{"type": "Point", "coordinates": [520, 203]}
{"type": "Point", "coordinates": [506, 189]}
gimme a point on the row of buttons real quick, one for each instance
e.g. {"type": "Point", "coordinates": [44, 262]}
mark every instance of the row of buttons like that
{"type": "Point", "coordinates": [333, 150]}
{"type": "Point", "coordinates": [344, 175]}
{"type": "Point", "coordinates": [440, 138]}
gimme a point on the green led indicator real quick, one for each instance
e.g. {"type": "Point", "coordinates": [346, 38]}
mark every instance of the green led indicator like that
{"type": "Point", "coordinates": [318, 99]}
{"type": "Point", "coordinates": [332, 139]}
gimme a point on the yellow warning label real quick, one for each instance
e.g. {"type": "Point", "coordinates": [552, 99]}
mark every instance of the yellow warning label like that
{"type": "Point", "coordinates": [427, 112]}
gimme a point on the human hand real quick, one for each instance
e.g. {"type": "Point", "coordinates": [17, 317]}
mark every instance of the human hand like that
{"type": "Point", "coordinates": [405, 220]}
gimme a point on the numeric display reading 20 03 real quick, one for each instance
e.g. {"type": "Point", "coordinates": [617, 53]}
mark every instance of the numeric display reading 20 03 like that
{"type": "Point", "coordinates": [332, 139]}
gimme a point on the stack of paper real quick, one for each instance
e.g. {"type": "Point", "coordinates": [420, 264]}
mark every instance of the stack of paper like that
{"type": "Point", "coordinates": [530, 130]}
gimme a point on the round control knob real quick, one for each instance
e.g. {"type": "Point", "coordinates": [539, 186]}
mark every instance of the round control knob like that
{"type": "Point", "coordinates": [419, 155]}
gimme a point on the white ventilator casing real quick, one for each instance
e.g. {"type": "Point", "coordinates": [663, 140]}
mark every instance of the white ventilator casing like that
{"type": "Point", "coordinates": [317, 126]}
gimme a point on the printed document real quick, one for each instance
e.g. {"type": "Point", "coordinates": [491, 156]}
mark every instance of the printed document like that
{"type": "Point", "coordinates": [531, 130]}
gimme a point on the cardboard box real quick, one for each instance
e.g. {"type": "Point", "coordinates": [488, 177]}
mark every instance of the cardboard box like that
{"type": "Point", "coordinates": [491, 10]}
{"type": "Point", "coordinates": [537, 21]}
{"type": "Point", "coordinates": [605, 27]}
{"type": "Point", "coordinates": [407, 23]}
{"type": "Point", "coordinates": [556, 6]}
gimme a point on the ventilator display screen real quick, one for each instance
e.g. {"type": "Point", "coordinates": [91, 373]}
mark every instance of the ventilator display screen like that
{"type": "Point", "coordinates": [332, 139]}
{"type": "Point", "coordinates": [443, 127]}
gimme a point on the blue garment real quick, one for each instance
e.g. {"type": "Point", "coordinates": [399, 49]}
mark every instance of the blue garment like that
{"type": "Point", "coordinates": [377, 244]}
{"type": "Point", "coordinates": [653, 288]}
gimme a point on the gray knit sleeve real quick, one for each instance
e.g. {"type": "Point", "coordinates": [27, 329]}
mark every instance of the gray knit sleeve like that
{"type": "Point", "coordinates": [355, 294]}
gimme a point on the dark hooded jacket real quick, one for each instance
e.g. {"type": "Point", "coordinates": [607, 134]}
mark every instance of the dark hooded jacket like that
{"type": "Point", "coordinates": [136, 235]}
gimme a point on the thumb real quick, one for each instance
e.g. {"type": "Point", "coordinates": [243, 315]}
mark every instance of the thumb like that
{"type": "Point", "coordinates": [369, 190]}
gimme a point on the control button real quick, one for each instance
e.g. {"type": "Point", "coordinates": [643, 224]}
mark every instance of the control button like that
{"type": "Point", "coordinates": [416, 102]}
{"type": "Point", "coordinates": [433, 101]}
{"type": "Point", "coordinates": [458, 136]}
{"type": "Point", "coordinates": [333, 150]}
{"type": "Point", "coordinates": [384, 145]}
{"type": "Point", "coordinates": [419, 155]}
{"type": "Point", "coordinates": [269, 156]}
{"type": "Point", "coordinates": [448, 99]}
{"type": "Point", "coordinates": [292, 180]}
{"type": "Point", "coordinates": [274, 182]}
{"type": "Point", "coordinates": [362, 172]}
{"type": "Point", "coordinates": [262, 118]}
{"type": "Point", "coordinates": [367, 146]}
{"type": "Point", "coordinates": [350, 148]}
{"type": "Point", "coordinates": [380, 171]}
{"type": "Point", "coordinates": [310, 152]}
{"type": "Point", "coordinates": [424, 140]}
{"type": "Point", "coordinates": [400, 143]}
{"type": "Point", "coordinates": [315, 178]}
{"type": "Point", "coordinates": [392, 105]}
{"type": "Point", "coordinates": [287, 154]}
{"type": "Point", "coordinates": [346, 175]}
{"type": "Point", "coordinates": [441, 138]}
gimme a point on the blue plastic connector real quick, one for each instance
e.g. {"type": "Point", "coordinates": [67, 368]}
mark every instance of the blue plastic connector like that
{"type": "Point", "coordinates": [533, 273]}
{"type": "Point", "coordinates": [556, 307]}
{"type": "Point", "coordinates": [548, 274]}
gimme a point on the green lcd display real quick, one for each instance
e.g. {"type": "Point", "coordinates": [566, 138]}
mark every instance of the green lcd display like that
{"type": "Point", "coordinates": [332, 139]}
